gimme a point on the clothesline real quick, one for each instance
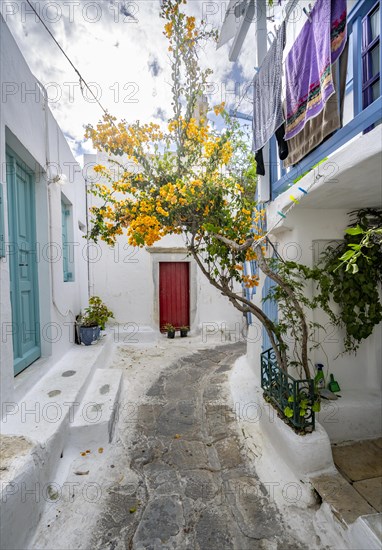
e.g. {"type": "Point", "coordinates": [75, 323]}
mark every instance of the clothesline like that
{"type": "Point", "coordinates": [288, 11]}
{"type": "Point", "coordinates": [294, 203]}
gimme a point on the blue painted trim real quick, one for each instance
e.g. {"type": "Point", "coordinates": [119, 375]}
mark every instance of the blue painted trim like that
{"type": "Point", "coordinates": [380, 37]}
{"type": "Point", "coordinates": [22, 358]}
{"type": "Point", "coordinates": [2, 225]}
{"type": "Point", "coordinates": [357, 66]}
{"type": "Point", "coordinates": [273, 162]}
{"type": "Point", "coordinates": [363, 120]}
{"type": "Point", "coordinates": [270, 308]}
{"type": "Point", "coordinates": [349, 87]}
{"type": "Point", "coordinates": [360, 9]}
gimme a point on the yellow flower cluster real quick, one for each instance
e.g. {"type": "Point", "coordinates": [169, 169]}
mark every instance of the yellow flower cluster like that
{"type": "Point", "coordinates": [226, 152]}
{"type": "Point", "coordinates": [122, 137]}
{"type": "Point", "coordinates": [144, 229]}
{"type": "Point", "coordinates": [210, 148]}
{"type": "Point", "coordinates": [168, 29]}
{"type": "Point", "coordinates": [250, 255]}
{"type": "Point", "coordinates": [250, 281]}
{"type": "Point", "coordinates": [218, 109]}
{"type": "Point", "coordinates": [190, 26]}
{"type": "Point", "coordinates": [198, 132]}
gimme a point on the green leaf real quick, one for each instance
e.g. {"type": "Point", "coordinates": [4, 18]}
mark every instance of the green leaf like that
{"type": "Point", "coordinates": [354, 230]}
{"type": "Point", "coordinates": [316, 407]}
{"type": "Point", "coordinates": [355, 268]}
{"type": "Point", "coordinates": [291, 399]}
{"type": "Point", "coordinates": [348, 254]}
{"type": "Point", "coordinates": [302, 412]}
{"type": "Point", "coordinates": [288, 412]}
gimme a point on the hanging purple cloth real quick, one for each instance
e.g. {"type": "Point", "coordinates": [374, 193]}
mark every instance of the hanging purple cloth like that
{"type": "Point", "coordinates": [308, 66]}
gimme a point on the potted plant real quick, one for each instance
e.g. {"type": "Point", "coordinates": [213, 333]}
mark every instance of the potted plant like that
{"type": "Point", "coordinates": [93, 320]}
{"type": "Point", "coordinates": [170, 329]}
{"type": "Point", "coordinates": [184, 331]}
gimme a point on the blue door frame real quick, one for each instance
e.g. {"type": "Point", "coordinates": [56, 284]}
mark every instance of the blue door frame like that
{"type": "Point", "coordinates": [22, 262]}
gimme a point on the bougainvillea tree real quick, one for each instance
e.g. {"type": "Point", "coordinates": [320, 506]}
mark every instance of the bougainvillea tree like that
{"type": "Point", "coordinates": [193, 180]}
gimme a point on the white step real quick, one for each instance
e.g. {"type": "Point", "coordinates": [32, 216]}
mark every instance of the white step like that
{"type": "Point", "coordinates": [44, 417]}
{"type": "Point", "coordinates": [94, 421]}
{"type": "Point", "coordinates": [132, 334]}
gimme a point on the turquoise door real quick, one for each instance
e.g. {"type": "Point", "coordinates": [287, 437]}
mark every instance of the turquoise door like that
{"type": "Point", "coordinates": [22, 263]}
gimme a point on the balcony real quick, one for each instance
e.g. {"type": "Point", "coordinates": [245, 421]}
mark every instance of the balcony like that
{"type": "Point", "coordinates": [362, 113]}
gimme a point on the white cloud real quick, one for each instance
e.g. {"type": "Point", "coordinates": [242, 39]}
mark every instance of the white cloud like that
{"type": "Point", "coordinates": [124, 57]}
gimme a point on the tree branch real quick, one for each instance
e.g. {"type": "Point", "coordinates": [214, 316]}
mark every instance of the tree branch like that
{"type": "Point", "coordinates": [251, 307]}
{"type": "Point", "coordinates": [289, 291]}
{"type": "Point", "coordinates": [234, 246]}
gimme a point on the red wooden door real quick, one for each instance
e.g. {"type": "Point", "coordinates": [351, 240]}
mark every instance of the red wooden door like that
{"type": "Point", "coordinates": [174, 293]}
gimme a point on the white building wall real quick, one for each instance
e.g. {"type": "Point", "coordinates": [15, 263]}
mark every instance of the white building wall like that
{"type": "Point", "coordinates": [126, 279]}
{"type": "Point", "coordinates": [33, 134]}
{"type": "Point", "coordinates": [295, 242]}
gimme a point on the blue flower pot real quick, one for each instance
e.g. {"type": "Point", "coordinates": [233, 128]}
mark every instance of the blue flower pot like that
{"type": "Point", "coordinates": [88, 335]}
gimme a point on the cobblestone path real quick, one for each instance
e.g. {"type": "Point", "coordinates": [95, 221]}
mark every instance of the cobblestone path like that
{"type": "Point", "coordinates": [196, 488]}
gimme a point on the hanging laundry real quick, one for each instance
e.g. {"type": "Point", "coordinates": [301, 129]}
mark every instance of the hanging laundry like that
{"type": "Point", "coordinates": [308, 67]}
{"type": "Point", "coordinates": [317, 129]}
{"type": "Point", "coordinates": [267, 84]}
{"type": "Point", "coordinates": [282, 147]}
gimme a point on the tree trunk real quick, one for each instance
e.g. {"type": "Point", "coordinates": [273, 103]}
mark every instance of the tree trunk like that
{"type": "Point", "coordinates": [247, 307]}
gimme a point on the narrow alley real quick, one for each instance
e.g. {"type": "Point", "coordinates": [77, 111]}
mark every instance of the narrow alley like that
{"type": "Point", "coordinates": [177, 474]}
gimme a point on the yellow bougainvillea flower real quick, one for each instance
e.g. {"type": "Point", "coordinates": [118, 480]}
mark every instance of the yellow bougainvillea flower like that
{"type": "Point", "coordinates": [218, 109]}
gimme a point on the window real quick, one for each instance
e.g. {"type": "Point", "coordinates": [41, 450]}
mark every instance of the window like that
{"type": "Point", "coordinates": [67, 260]}
{"type": "Point", "coordinates": [371, 81]}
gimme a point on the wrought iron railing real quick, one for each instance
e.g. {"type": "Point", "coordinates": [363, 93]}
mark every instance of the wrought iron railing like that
{"type": "Point", "coordinates": [294, 398]}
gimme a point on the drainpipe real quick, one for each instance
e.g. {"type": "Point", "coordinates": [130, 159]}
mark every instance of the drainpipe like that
{"type": "Point", "coordinates": [49, 199]}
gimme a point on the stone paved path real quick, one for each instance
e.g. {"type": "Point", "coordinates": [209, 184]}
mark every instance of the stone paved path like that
{"type": "Point", "coordinates": [196, 488]}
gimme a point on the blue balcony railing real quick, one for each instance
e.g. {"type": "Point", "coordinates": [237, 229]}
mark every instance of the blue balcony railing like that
{"type": "Point", "coordinates": [364, 87]}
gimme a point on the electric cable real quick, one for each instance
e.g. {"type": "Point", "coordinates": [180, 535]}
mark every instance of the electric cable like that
{"type": "Point", "coordinates": [81, 79]}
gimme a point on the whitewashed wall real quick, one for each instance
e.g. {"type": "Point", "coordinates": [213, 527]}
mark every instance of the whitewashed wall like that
{"type": "Point", "coordinates": [296, 242]}
{"type": "Point", "coordinates": [24, 127]}
{"type": "Point", "coordinates": [124, 277]}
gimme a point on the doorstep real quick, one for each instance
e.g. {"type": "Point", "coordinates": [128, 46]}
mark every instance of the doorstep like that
{"type": "Point", "coordinates": [34, 433]}
{"type": "Point", "coordinates": [354, 492]}
{"type": "Point", "coordinates": [361, 465]}
{"type": "Point", "coordinates": [359, 524]}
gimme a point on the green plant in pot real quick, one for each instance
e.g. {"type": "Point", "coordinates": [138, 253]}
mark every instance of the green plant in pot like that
{"type": "Point", "coordinates": [170, 329]}
{"type": "Point", "coordinates": [184, 331]}
{"type": "Point", "coordinates": [93, 320]}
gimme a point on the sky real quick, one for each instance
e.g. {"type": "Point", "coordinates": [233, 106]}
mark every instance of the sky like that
{"type": "Point", "coordinates": [119, 48]}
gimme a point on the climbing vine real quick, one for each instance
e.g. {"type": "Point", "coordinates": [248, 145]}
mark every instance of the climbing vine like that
{"type": "Point", "coordinates": [350, 274]}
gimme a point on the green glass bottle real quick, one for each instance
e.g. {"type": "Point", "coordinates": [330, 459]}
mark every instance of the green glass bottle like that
{"type": "Point", "coordinates": [319, 379]}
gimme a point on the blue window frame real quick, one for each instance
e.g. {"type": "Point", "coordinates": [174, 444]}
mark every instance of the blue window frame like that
{"type": "Point", "coordinates": [371, 80]}
{"type": "Point", "coordinates": [65, 216]}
